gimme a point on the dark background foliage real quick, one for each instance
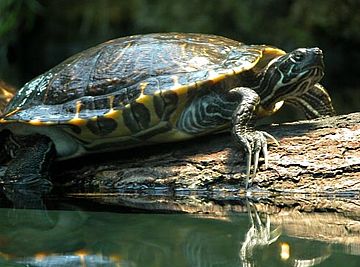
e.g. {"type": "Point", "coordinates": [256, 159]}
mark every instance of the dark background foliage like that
{"type": "Point", "coordinates": [38, 34]}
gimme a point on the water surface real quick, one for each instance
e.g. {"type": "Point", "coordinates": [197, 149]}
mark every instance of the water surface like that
{"type": "Point", "coordinates": [80, 233]}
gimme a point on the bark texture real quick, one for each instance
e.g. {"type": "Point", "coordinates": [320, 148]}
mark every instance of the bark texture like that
{"type": "Point", "coordinates": [315, 156]}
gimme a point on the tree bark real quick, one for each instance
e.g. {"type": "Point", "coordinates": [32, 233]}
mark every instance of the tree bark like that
{"type": "Point", "coordinates": [315, 156]}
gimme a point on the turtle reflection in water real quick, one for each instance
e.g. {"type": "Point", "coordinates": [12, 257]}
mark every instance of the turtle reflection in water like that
{"type": "Point", "coordinates": [156, 88]}
{"type": "Point", "coordinates": [76, 260]}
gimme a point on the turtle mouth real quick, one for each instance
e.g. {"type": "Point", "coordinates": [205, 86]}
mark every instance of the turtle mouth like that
{"type": "Point", "coordinates": [316, 58]}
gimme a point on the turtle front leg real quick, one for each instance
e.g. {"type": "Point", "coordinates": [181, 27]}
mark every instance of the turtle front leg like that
{"type": "Point", "coordinates": [211, 112]}
{"type": "Point", "coordinates": [31, 164]}
{"type": "Point", "coordinates": [243, 123]}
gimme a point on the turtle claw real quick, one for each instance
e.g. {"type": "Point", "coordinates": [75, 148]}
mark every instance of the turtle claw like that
{"type": "Point", "coordinates": [256, 162]}
{"type": "Point", "coordinates": [272, 138]}
{"type": "Point", "coordinates": [248, 168]}
{"type": "Point", "coordinates": [254, 143]}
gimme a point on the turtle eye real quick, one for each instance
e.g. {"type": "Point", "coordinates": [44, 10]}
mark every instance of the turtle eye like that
{"type": "Point", "coordinates": [298, 56]}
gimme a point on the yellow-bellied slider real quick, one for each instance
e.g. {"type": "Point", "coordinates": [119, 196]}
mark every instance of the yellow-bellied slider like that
{"type": "Point", "coordinates": [155, 88]}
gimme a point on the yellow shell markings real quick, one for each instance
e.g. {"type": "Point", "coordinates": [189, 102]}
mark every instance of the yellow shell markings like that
{"type": "Point", "coordinates": [77, 120]}
{"type": "Point", "coordinates": [122, 134]}
{"type": "Point", "coordinates": [147, 101]}
{"type": "Point", "coordinates": [143, 86]}
{"type": "Point", "coordinates": [121, 130]}
{"type": "Point", "coordinates": [35, 122]}
{"type": "Point", "coordinates": [87, 135]}
{"type": "Point", "coordinates": [174, 134]}
{"type": "Point", "coordinates": [112, 113]}
{"type": "Point", "coordinates": [274, 50]}
{"type": "Point", "coordinates": [213, 76]}
{"type": "Point", "coordinates": [12, 112]}
{"type": "Point", "coordinates": [180, 90]}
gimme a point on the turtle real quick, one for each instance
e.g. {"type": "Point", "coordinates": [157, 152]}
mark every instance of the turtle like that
{"type": "Point", "coordinates": [156, 88]}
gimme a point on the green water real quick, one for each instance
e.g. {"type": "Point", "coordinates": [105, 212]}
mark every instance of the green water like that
{"type": "Point", "coordinates": [73, 236]}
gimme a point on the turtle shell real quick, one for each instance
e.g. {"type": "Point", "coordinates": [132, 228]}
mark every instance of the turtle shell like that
{"type": "Point", "coordinates": [126, 86]}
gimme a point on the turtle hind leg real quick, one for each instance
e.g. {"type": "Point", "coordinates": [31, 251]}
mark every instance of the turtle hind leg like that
{"type": "Point", "coordinates": [243, 123]}
{"type": "Point", "coordinates": [30, 166]}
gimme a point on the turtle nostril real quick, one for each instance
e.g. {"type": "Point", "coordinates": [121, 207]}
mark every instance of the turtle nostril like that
{"type": "Point", "coordinates": [317, 50]}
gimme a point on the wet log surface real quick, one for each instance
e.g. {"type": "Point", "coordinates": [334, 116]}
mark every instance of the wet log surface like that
{"type": "Point", "coordinates": [315, 168]}
{"type": "Point", "coordinates": [317, 156]}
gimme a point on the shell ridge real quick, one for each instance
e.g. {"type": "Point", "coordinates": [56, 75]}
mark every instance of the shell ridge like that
{"type": "Point", "coordinates": [94, 67]}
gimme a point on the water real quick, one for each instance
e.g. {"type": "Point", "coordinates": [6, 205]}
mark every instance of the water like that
{"type": "Point", "coordinates": [232, 232]}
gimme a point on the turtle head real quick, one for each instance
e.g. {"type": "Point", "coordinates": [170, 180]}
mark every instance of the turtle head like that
{"type": "Point", "coordinates": [290, 75]}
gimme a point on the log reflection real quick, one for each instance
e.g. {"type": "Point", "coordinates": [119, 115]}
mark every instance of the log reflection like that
{"type": "Point", "coordinates": [220, 232]}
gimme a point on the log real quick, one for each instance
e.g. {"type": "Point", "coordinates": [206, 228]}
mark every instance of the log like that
{"type": "Point", "coordinates": [319, 156]}
{"type": "Point", "coordinates": [310, 190]}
